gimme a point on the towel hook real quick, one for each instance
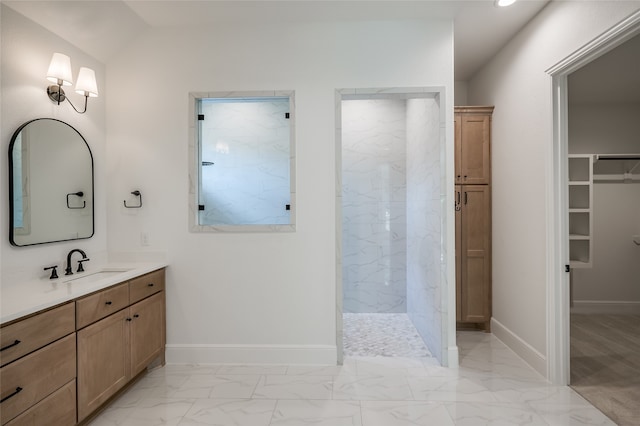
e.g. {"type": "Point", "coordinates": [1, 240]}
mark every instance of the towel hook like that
{"type": "Point", "coordinates": [137, 194]}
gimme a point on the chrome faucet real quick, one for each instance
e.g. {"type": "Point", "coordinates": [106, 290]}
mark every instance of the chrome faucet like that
{"type": "Point", "coordinates": [68, 270]}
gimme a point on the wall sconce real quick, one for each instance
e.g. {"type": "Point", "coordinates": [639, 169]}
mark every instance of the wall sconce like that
{"type": "Point", "coordinates": [60, 73]}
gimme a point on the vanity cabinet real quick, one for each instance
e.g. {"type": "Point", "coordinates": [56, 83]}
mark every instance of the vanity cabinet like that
{"type": "Point", "coordinates": [60, 365]}
{"type": "Point", "coordinates": [103, 366]}
{"type": "Point", "coordinates": [38, 360]}
{"type": "Point", "coordinates": [119, 346]}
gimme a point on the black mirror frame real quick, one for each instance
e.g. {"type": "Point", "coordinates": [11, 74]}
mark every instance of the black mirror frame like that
{"type": "Point", "coordinates": [11, 194]}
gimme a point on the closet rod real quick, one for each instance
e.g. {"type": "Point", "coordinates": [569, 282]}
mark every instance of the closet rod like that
{"type": "Point", "coordinates": [598, 157]}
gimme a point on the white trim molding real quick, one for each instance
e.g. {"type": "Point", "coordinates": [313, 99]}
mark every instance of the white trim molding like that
{"type": "Point", "coordinates": [558, 319]}
{"type": "Point", "coordinates": [250, 354]}
{"type": "Point", "coordinates": [524, 350]}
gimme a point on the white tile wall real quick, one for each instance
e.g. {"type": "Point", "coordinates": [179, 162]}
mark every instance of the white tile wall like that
{"type": "Point", "coordinates": [374, 205]}
{"type": "Point", "coordinates": [249, 182]}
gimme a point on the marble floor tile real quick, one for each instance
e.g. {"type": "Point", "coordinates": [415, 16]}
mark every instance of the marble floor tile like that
{"type": "Point", "coordinates": [158, 411]}
{"type": "Point", "coordinates": [383, 388]}
{"type": "Point", "coordinates": [492, 387]}
{"type": "Point", "coordinates": [252, 369]}
{"type": "Point", "coordinates": [573, 415]}
{"type": "Point", "coordinates": [294, 387]}
{"type": "Point", "coordinates": [216, 386]}
{"type": "Point", "coordinates": [482, 413]}
{"type": "Point", "coordinates": [316, 412]}
{"type": "Point", "coordinates": [449, 389]}
{"type": "Point", "coordinates": [229, 412]}
{"type": "Point", "coordinates": [405, 413]}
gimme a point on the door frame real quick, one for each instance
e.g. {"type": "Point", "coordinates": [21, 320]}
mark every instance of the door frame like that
{"type": "Point", "coordinates": [447, 302]}
{"type": "Point", "coordinates": [558, 320]}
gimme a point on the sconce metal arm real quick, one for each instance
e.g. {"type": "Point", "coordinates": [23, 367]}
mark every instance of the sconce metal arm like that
{"type": "Point", "coordinates": [56, 94]}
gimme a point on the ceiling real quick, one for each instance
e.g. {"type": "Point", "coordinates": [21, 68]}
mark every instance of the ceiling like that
{"type": "Point", "coordinates": [102, 28]}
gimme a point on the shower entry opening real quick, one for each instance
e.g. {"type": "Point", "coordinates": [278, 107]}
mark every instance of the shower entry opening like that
{"type": "Point", "coordinates": [393, 266]}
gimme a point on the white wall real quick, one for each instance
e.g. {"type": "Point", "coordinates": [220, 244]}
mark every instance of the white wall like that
{"type": "Point", "coordinates": [258, 297]}
{"type": "Point", "coordinates": [612, 284]}
{"type": "Point", "coordinates": [615, 275]}
{"type": "Point", "coordinates": [461, 94]}
{"type": "Point", "coordinates": [26, 52]}
{"type": "Point", "coordinates": [604, 128]}
{"type": "Point", "coordinates": [516, 83]}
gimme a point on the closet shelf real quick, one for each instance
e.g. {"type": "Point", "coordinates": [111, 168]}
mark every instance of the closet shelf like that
{"type": "Point", "coordinates": [579, 237]}
{"type": "Point", "coordinates": [580, 183]}
{"type": "Point", "coordinates": [579, 210]}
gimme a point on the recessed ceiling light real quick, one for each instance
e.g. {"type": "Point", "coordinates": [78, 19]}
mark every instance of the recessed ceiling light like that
{"type": "Point", "coordinates": [504, 3]}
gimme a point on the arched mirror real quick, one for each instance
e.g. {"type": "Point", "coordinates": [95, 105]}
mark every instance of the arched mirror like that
{"type": "Point", "coordinates": [50, 184]}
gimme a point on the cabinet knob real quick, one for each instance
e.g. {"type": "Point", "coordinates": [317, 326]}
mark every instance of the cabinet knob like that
{"type": "Point", "coordinates": [128, 319]}
{"type": "Point", "coordinates": [108, 302]}
{"type": "Point", "coordinates": [136, 316]}
{"type": "Point", "coordinates": [150, 285]}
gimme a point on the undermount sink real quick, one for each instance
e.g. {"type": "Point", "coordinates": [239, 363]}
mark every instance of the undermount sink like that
{"type": "Point", "coordinates": [96, 276]}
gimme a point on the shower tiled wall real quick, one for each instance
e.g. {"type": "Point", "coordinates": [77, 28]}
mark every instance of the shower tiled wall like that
{"type": "Point", "coordinates": [248, 143]}
{"type": "Point", "coordinates": [374, 205]}
{"type": "Point", "coordinates": [426, 280]}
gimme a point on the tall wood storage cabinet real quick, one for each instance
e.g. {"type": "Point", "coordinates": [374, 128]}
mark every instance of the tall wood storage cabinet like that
{"type": "Point", "coordinates": [473, 216]}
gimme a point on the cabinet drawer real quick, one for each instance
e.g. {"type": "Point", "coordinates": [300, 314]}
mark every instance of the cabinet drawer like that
{"type": "Point", "coordinates": [30, 379]}
{"type": "Point", "coordinates": [99, 305]}
{"type": "Point", "coordinates": [58, 409]}
{"type": "Point", "coordinates": [25, 336]}
{"type": "Point", "coordinates": [146, 285]}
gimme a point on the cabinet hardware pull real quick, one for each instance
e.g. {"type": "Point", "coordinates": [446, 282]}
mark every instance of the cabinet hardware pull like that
{"type": "Point", "coordinates": [128, 319]}
{"type": "Point", "coordinates": [136, 316]}
{"type": "Point", "coordinates": [11, 345]}
{"type": "Point", "coordinates": [466, 198]}
{"type": "Point", "coordinates": [107, 302]}
{"type": "Point", "coordinates": [18, 389]}
{"type": "Point", "coordinates": [150, 285]}
{"type": "Point", "coordinates": [465, 177]}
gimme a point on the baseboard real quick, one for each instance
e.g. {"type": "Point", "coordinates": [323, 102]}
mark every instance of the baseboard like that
{"type": "Point", "coordinates": [251, 354]}
{"type": "Point", "coordinates": [605, 307]}
{"type": "Point", "coordinates": [453, 357]}
{"type": "Point", "coordinates": [524, 350]}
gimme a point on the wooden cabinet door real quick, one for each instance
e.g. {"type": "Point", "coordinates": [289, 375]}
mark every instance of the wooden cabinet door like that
{"type": "Point", "coordinates": [103, 361]}
{"type": "Point", "coordinates": [474, 156]}
{"type": "Point", "coordinates": [476, 259]}
{"type": "Point", "coordinates": [147, 331]}
{"type": "Point", "coordinates": [458, 208]}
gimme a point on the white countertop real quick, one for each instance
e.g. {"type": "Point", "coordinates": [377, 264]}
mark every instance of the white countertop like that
{"type": "Point", "coordinates": [35, 295]}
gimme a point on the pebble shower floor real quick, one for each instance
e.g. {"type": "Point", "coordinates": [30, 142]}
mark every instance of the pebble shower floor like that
{"type": "Point", "coordinates": [388, 335]}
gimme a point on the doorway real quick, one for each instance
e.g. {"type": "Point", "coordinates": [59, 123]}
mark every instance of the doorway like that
{"type": "Point", "coordinates": [393, 229]}
{"type": "Point", "coordinates": [577, 237]}
{"type": "Point", "coordinates": [605, 295]}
